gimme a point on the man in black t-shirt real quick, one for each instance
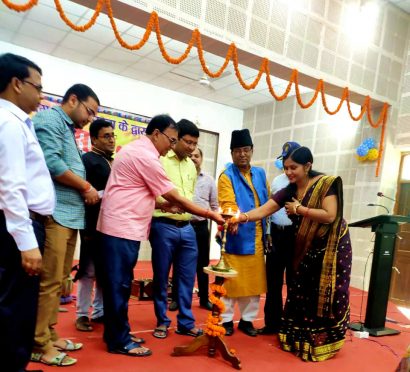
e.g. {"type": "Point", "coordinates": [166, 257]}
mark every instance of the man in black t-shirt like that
{"type": "Point", "coordinates": [97, 163]}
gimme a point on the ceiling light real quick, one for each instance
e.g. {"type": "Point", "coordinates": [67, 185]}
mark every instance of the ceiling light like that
{"type": "Point", "coordinates": [360, 22]}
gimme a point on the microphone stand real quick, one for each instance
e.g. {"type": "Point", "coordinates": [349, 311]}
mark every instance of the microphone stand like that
{"type": "Point", "coordinates": [381, 195]}
{"type": "Point", "coordinates": [378, 205]}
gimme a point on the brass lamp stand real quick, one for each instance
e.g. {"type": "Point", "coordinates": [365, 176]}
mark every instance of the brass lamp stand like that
{"type": "Point", "coordinates": [221, 266]}
{"type": "Point", "coordinates": [215, 343]}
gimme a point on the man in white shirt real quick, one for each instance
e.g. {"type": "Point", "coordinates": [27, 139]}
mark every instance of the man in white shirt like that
{"type": "Point", "coordinates": [278, 260]}
{"type": "Point", "coordinates": [26, 199]}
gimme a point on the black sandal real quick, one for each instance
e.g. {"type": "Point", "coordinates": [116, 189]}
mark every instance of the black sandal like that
{"type": "Point", "coordinates": [125, 350]}
{"type": "Point", "coordinates": [194, 332]}
{"type": "Point", "coordinates": [138, 340]}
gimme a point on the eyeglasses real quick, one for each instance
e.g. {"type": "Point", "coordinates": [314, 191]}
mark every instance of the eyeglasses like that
{"type": "Point", "coordinates": [108, 137]}
{"type": "Point", "coordinates": [172, 141]}
{"type": "Point", "coordinates": [190, 143]}
{"type": "Point", "coordinates": [90, 112]}
{"type": "Point", "coordinates": [38, 87]}
{"type": "Point", "coordinates": [245, 150]}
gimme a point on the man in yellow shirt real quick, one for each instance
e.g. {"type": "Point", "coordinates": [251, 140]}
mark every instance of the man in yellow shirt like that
{"type": "Point", "coordinates": [244, 187]}
{"type": "Point", "coordinates": [173, 239]}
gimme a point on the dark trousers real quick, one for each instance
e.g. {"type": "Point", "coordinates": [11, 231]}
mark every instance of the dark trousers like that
{"type": "Point", "coordinates": [118, 258]}
{"type": "Point", "coordinates": [202, 239]}
{"type": "Point", "coordinates": [177, 246]}
{"type": "Point", "coordinates": [277, 261]}
{"type": "Point", "coordinates": [18, 301]}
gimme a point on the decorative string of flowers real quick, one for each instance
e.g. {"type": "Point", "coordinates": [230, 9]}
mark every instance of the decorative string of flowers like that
{"type": "Point", "coordinates": [20, 7]}
{"type": "Point", "coordinates": [231, 55]}
{"type": "Point", "coordinates": [84, 27]}
{"type": "Point", "coordinates": [213, 323]}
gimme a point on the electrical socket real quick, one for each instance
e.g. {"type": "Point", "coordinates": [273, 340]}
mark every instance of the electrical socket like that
{"type": "Point", "coordinates": [362, 334]}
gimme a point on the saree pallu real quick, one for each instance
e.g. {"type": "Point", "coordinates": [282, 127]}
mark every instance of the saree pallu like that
{"type": "Point", "coordinates": [316, 314]}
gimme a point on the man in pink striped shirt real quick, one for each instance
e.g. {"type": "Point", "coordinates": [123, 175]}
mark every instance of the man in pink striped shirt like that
{"type": "Point", "coordinates": [137, 179]}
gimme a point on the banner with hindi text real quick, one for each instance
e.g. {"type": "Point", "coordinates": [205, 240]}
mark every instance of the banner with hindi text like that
{"type": "Point", "coordinates": [126, 126]}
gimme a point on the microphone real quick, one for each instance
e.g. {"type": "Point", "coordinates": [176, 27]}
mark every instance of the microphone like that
{"type": "Point", "coordinates": [381, 195]}
{"type": "Point", "coordinates": [378, 205]}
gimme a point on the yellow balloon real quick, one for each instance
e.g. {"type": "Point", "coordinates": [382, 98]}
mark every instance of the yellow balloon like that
{"type": "Point", "coordinates": [373, 154]}
{"type": "Point", "coordinates": [361, 158]}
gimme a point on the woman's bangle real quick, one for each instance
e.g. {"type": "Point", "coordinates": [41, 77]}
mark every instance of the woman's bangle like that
{"type": "Point", "coordinates": [247, 217]}
{"type": "Point", "coordinates": [295, 209]}
{"type": "Point", "coordinates": [87, 187]}
{"type": "Point", "coordinates": [207, 213]}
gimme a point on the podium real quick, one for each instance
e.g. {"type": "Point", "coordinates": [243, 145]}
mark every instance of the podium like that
{"type": "Point", "coordinates": [386, 228]}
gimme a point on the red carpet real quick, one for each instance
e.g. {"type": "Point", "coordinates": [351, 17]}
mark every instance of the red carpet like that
{"type": "Point", "coordinates": [261, 353]}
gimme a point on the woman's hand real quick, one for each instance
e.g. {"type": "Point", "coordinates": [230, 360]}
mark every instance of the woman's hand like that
{"type": "Point", "coordinates": [234, 221]}
{"type": "Point", "coordinates": [291, 207]}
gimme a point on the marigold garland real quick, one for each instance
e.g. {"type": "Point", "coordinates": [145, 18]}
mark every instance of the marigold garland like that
{"type": "Point", "coordinates": [84, 27]}
{"type": "Point", "coordinates": [22, 7]}
{"type": "Point", "coordinates": [213, 327]}
{"type": "Point", "coordinates": [231, 55]}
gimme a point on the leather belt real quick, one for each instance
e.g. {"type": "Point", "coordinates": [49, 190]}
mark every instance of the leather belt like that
{"type": "Point", "coordinates": [199, 222]}
{"type": "Point", "coordinates": [280, 227]}
{"type": "Point", "coordinates": [171, 222]}
{"type": "Point", "coordinates": [38, 217]}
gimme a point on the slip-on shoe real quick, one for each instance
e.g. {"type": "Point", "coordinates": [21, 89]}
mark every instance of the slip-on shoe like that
{"type": "Point", "coordinates": [228, 328]}
{"type": "Point", "coordinates": [247, 328]}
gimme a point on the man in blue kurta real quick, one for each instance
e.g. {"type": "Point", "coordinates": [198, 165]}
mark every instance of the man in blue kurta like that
{"type": "Point", "coordinates": [244, 187]}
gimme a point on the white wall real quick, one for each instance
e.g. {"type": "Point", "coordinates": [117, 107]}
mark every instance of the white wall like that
{"type": "Point", "coordinates": [333, 141]}
{"type": "Point", "coordinates": [137, 97]}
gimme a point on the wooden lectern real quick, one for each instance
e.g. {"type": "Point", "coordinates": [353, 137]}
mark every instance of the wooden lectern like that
{"type": "Point", "coordinates": [386, 228]}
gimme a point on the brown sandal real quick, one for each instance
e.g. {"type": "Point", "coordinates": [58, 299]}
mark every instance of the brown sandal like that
{"type": "Point", "coordinates": [161, 332]}
{"type": "Point", "coordinates": [83, 324]}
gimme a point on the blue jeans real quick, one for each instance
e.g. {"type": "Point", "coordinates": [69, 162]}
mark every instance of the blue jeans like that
{"type": "Point", "coordinates": [118, 258]}
{"type": "Point", "coordinates": [177, 246]}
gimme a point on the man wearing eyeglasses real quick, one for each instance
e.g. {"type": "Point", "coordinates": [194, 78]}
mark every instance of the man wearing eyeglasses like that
{"type": "Point", "coordinates": [173, 238]}
{"type": "Point", "coordinates": [55, 130]}
{"type": "Point", "coordinates": [97, 163]}
{"type": "Point", "coordinates": [136, 180]}
{"type": "Point", "coordinates": [26, 199]}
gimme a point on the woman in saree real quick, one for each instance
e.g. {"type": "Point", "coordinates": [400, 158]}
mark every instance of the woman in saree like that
{"type": "Point", "coordinates": [316, 313]}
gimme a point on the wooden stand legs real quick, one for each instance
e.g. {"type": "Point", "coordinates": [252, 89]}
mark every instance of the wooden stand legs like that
{"type": "Point", "coordinates": [214, 343]}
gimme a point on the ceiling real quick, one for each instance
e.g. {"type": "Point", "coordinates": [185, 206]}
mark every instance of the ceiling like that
{"type": "Point", "coordinates": [402, 4]}
{"type": "Point", "coordinates": [42, 29]}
